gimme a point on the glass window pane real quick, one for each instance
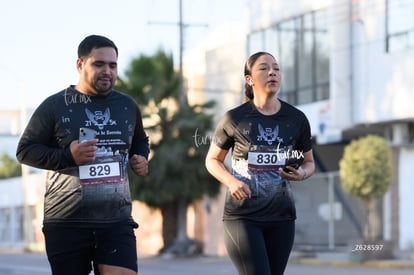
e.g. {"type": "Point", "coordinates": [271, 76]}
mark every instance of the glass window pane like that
{"type": "Point", "coordinates": [301, 45]}
{"type": "Point", "coordinates": [289, 96]}
{"type": "Point", "coordinates": [322, 47]}
{"type": "Point", "coordinates": [305, 96]}
{"type": "Point", "coordinates": [271, 43]}
{"type": "Point", "coordinates": [287, 34]}
{"type": "Point", "coordinates": [19, 226]}
{"type": "Point", "coordinates": [322, 92]}
{"type": "Point", "coordinates": [255, 43]}
{"type": "Point", "coordinates": [305, 46]}
{"type": "Point", "coordinates": [5, 225]}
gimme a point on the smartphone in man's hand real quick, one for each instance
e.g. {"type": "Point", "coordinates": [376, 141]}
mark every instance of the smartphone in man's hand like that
{"type": "Point", "coordinates": [86, 134]}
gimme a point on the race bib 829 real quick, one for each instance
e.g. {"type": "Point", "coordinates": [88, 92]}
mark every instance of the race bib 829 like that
{"type": "Point", "coordinates": [99, 173]}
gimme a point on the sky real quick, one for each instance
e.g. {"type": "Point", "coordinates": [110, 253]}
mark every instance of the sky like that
{"type": "Point", "coordinates": [39, 39]}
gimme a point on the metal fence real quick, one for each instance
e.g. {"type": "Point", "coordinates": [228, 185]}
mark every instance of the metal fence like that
{"type": "Point", "coordinates": [327, 216]}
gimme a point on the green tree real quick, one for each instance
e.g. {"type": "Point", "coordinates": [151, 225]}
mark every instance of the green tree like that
{"type": "Point", "coordinates": [365, 172]}
{"type": "Point", "coordinates": [9, 167]}
{"type": "Point", "coordinates": [177, 175]}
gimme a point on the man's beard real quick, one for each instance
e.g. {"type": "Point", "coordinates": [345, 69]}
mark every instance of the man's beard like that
{"type": "Point", "coordinates": [103, 88]}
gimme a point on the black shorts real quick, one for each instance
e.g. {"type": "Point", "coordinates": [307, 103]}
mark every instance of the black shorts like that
{"type": "Point", "coordinates": [76, 250]}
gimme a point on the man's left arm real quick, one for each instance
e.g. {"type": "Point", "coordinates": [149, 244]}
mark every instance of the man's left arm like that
{"type": "Point", "coordinates": [139, 148]}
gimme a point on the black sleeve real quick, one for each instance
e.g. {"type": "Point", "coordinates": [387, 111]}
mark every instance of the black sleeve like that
{"type": "Point", "coordinates": [140, 141]}
{"type": "Point", "coordinates": [224, 133]}
{"type": "Point", "coordinates": [306, 136]}
{"type": "Point", "coordinates": [38, 147]}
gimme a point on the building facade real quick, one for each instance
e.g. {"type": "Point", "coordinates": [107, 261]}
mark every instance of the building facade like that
{"type": "Point", "coordinates": [347, 64]}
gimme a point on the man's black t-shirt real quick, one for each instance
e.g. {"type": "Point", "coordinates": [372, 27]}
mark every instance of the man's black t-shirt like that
{"type": "Point", "coordinates": [260, 145]}
{"type": "Point", "coordinates": [96, 193]}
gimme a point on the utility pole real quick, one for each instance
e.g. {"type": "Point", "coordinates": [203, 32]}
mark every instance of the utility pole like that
{"type": "Point", "coordinates": [182, 98]}
{"type": "Point", "coordinates": [183, 94]}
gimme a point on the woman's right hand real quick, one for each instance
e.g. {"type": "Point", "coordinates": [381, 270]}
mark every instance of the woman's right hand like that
{"type": "Point", "coordinates": [239, 190]}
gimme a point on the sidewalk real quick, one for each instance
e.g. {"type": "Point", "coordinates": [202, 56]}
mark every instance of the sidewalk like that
{"type": "Point", "coordinates": [336, 258]}
{"type": "Point", "coordinates": [198, 265]}
{"type": "Point", "coordinates": [298, 263]}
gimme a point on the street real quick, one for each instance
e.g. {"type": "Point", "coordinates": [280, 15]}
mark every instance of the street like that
{"type": "Point", "coordinates": [36, 264]}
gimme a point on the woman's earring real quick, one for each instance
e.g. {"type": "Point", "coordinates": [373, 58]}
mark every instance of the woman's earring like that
{"type": "Point", "coordinates": [251, 82]}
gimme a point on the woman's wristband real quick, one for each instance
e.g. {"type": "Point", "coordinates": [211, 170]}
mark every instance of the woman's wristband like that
{"type": "Point", "coordinates": [304, 174]}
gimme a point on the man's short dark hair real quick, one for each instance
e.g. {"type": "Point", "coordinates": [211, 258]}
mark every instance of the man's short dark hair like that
{"type": "Point", "coordinates": [94, 42]}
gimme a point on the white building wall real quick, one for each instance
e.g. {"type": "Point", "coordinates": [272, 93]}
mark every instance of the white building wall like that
{"type": "Point", "coordinates": [383, 81]}
{"type": "Point", "coordinates": [11, 192]}
{"type": "Point", "coordinates": [406, 205]}
{"type": "Point", "coordinates": [339, 108]}
{"type": "Point", "coordinates": [20, 222]}
{"type": "Point", "coordinates": [11, 205]}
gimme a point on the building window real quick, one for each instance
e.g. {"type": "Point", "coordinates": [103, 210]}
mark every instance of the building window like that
{"type": "Point", "coordinates": [400, 25]}
{"type": "Point", "coordinates": [301, 46]}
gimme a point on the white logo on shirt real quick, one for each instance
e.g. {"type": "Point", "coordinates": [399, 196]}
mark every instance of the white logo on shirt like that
{"type": "Point", "coordinates": [100, 119]}
{"type": "Point", "coordinates": [268, 134]}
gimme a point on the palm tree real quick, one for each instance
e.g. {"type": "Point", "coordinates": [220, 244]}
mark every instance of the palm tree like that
{"type": "Point", "coordinates": [177, 174]}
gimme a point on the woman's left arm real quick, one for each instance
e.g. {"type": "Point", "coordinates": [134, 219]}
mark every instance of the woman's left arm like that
{"type": "Point", "coordinates": [302, 172]}
{"type": "Point", "coordinates": [308, 166]}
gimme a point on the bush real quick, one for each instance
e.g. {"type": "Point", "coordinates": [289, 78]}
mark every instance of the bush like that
{"type": "Point", "coordinates": [365, 169]}
{"type": "Point", "coordinates": [365, 172]}
{"type": "Point", "coordinates": [9, 167]}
